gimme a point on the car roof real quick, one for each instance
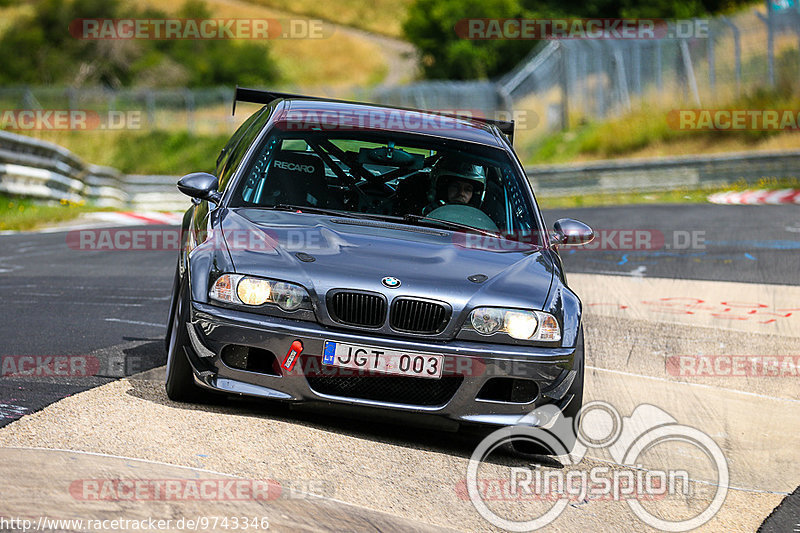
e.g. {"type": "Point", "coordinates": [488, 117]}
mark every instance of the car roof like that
{"type": "Point", "coordinates": [305, 113]}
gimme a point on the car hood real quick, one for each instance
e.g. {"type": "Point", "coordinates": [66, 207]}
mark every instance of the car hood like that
{"type": "Point", "coordinates": [359, 253]}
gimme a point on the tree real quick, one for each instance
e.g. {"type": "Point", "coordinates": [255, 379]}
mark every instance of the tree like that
{"type": "Point", "coordinates": [41, 50]}
{"type": "Point", "coordinates": [430, 26]}
{"type": "Point", "coordinates": [445, 54]}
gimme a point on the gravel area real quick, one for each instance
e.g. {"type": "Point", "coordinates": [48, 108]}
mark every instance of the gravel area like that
{"type": "Point", "coordinates": [408, 473]}
{"type": "Point", "coordinates": [416, 474]}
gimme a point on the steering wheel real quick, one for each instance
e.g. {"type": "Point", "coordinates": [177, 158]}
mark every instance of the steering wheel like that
{"type": "Point", "coordinates": [464, 214]}
{"type": "Point", "coordinates": [378, 197]}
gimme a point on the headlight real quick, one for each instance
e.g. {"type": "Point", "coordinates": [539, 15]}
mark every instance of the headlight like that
{"type": "Point", "coordinates": [252, 291]}
{"type": "Point", "coordinates": [288, 297]}
{"type": "Point", "coordinates": [517, 323]}
{"type": "Point", "coordinates": [240, 289]}
{"type": "Point", "coordinates": [520, 324]}
{"type": "Point", "coordinates": [224, 288]}
{"type": "Point", "coordinates": [487, 320]}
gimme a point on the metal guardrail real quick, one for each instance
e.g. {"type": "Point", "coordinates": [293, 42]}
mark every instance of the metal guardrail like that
{"type": "Point", "coordinates": [155, 193]}
{"type": "Point", "coordinates": [663, 174]}
{"type": "Point", "coordinates": [39, 169]}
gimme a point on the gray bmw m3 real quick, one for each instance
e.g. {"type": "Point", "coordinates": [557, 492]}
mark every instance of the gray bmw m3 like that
{"type": "Point", "coordinates": [374, 259]}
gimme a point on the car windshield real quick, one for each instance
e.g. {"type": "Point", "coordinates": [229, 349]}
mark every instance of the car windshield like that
{"type": "Point", "coordinates": [411, 178]}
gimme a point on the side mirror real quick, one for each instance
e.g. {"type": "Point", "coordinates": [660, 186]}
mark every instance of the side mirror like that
{"type": "Point", "coordinates": [568, 231]}
{"type": "Point", "coordinates": [200, 185]}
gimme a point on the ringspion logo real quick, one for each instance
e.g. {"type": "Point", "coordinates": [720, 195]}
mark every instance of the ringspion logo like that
{"type": "Point", "coordinates": [625, 439]}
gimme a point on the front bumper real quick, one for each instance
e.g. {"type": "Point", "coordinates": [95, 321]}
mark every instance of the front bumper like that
{"type": "Point", "coordinates": [452, 401]}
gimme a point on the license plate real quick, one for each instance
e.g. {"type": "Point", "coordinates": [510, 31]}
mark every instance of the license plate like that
{"type": "Point", "coordinates": [381, 360]}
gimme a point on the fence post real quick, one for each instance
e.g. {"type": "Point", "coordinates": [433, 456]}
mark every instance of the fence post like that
{"type": "Point", "coordinates": [70, 98]}
{"type": "Point", "coordinates": [583, 75]}
{"type": "Point", "coordinates": [572, 74]}
{"type": "Point", "coordinates": [28, 100]}
{"type": "Point", "coordinates": [659, 82]}
{"type": "Point", "coordinates": [770, 44]}
{"type": "Point", "coordinates": [622, 79]}
{"type": "Point", "coordinates": [770, 49]}
{"type": "Point", "coordinates": [564, 87]}
{"type": "Point", "coordinates": [687, 65]}
{"type": "Point", "coordinates": [637, 67]}
{"type": "Point", "coordinates": [599, 73]}
{"type": "Point", "coordinates": [505, 99]}
{"type": "Point", "coordinates": [737, 51]}
{"type": "Point", "coordinates": [712, 76]}
{"type": "Point", "coordinates": [189, 96]}
{"type": "Point", "coordinates": [150, 103]}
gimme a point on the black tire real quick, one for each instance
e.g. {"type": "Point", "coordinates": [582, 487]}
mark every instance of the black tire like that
{"type": "Point", "coordinates": [175, 283]}
{"type": "Point", "coordinates": [571, 412]}
{"type": "Point", "coordinates": [180, 377]}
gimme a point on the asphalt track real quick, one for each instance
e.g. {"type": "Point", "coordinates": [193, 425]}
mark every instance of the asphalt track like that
{"type": "Point", "coordinates": [112, 306]}
{"type": "Point", "coordinates": [751, 244]}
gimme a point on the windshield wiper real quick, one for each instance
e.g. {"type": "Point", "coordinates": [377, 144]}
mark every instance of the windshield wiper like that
{"type": "Point", "coordinates": [408, 218]}
{"type": "Point", "coordinates": [448, 224]}
{"type": "Point", "coordinates": [334, 212]}
{"type": "Point", "coordinates": [310, 209]}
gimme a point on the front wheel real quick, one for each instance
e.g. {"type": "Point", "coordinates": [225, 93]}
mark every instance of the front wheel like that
{"type": "Point", "coordinates": [180, 377]}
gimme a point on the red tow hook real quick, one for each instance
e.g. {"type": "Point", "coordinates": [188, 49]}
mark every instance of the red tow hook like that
{"type": "Point", "coordinates": [292, 355]}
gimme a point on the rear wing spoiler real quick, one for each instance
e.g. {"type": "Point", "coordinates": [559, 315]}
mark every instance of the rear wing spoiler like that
{"type": "Point", "coordinates": [258, 96]}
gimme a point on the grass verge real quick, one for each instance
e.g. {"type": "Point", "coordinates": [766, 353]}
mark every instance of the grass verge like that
{"type": "Point", "coordinates": [339, 59]}
{"type": "Point", "coordinates": [143, 152]}
{"type": "Point", "coordinates": [377, 16]}
{"type": "Point", "coordinates": [20, 214]}
{"type": "Point", "coordinates": [677, 196]}
{"type": "Point", "coordinates": [648, 133]}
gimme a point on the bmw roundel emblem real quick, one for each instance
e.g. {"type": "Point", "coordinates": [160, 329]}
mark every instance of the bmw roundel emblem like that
{"type": "Point", "coordinates": [390, 282]}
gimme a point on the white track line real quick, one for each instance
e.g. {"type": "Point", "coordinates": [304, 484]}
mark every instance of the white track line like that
{"type": "Point", "coordinates": [700, 385]}
{"type": "Point", "coordinates": [699, 481]}
{"type": "Point", "coordinates": [192, 468]}
{"type": "Point", "coordinates": [135, 322]}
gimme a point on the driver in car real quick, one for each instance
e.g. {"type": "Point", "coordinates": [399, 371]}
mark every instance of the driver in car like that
{"type": "Point", "coordinates": [459, 191]}
{"type": "Point", "coordinates": [457, 183]}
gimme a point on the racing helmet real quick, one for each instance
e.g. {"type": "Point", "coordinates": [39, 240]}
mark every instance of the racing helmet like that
{"type": "Point", "coordinates": [447, 169]}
